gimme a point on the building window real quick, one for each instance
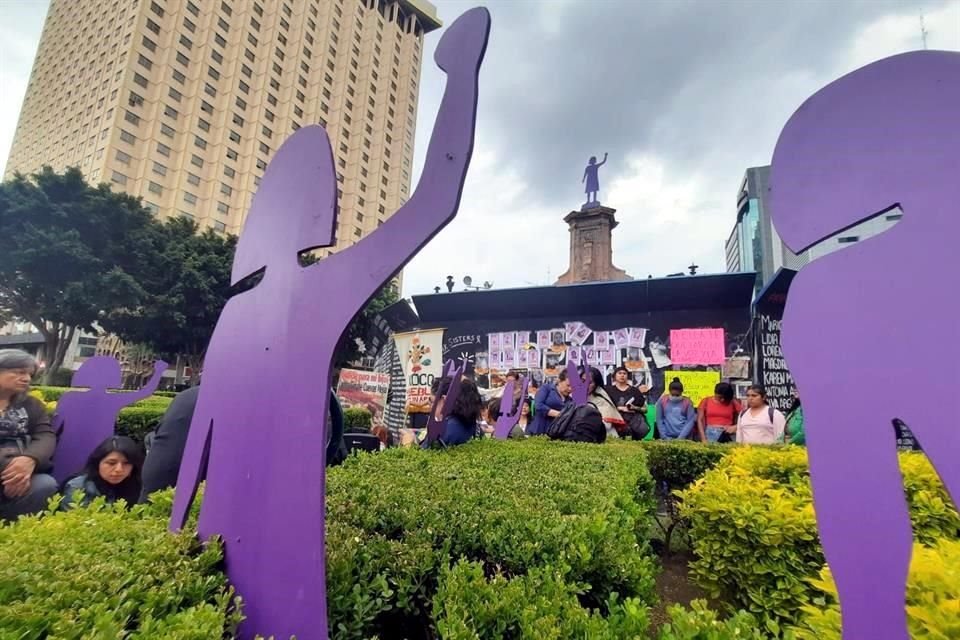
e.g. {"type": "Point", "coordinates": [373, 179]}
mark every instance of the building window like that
{"type": "Point", "coordinates": [206, 107]}
{"type": "Point", "coordinates": [176, 95]}
{"type": "Point", "coordinates": [252, 39]}
{"type": "Point", "coordinates": [232, 154]}
{"type": "Point", "coordinates": [144, 62]}
{"type": "Point", "coordinates": [149, 44]}
{"type": "Point", "coordinates": [238, 120]}
{"type": "Point", "coordinates": [118, 177]}
{"type": "Point", "coordinates": [179, 77]}
{"type": "Point", "coordinates": [123, 158]}
{"type": "Point", "coordinates": [244, 87]}
{"type": "Point", "coordinates": [261, 165]}
{"type": "Point", "coordinates": [209, 90]}
{"type": "Point", "coordinates": [226, 189]}
{"type": "Point", "coordinates": [196, 161]}
{"type": "Point", "coordinates": [182, 59]}
{"type": "Point", "coordinates": [152, 208]}
{"type": "Point", "coordinates": [187, 42]}
{"type": "Point", "coordinates": [193, 179]}
{"type": "Point", "coordinates": [216, 56]}
{"type": "Point", "coordinates": [203, 124]}
{"type": "Point", "coordinates": [217, 38]}
{"type": "Point", "coordinates": [234, 136]}
{"type": "Point", "coordinates": [192, 8]}
{"type": "Point", "coordinates": [229, 172]}
{"type": "Point", "coordinates": [219, 226]}
{"type": "Point", "coordinates": [267, 132]}
{"type": "Point", "coordinates": [163, 149]}
{"type": "Point", "coordinates": [264, 148]}
{"type": "Point", "coordinates": [131, 117]}
{"type": "Point", "coordinates": [258, 9]}
{"type": "Point", "coordinates": [268, 115]}
{"type": "Point", "coordinates": [247, 71]}
{"type": "Point", "coordinates": [140, 80]}
{"type": "Point", "coordinates": [159, 169]}
{"type": "Point", "coordinates": [127, 137]}
{"type": "Point", "coordinates": [240, 102]}
{"type": "Point", "coordinates": [166, 130]}
{"type": "Point", "coordinates": [189, 198]}
{"type": "Point", "coordinates": [199, 142]}
{"type": "Point", "coordinates": [170, 112]}
{"type": "Point", "coordinates": [213, 73]}
{"type": "Point", "coordinates": [153, 26]}
{"type": "Point", "coordinates": [155, 188]}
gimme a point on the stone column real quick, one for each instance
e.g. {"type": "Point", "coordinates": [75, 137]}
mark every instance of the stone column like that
{"type": "Point", "coordinates": [591, 250]}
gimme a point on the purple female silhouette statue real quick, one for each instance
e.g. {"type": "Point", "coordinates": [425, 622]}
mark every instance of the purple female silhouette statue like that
{"type": "Point", "coordinates": [887, 134]}
{"type": "Point", "coordinates": [258, 427]}
{"type": "Point", "coordinates": [510, 415]}
{"type": "Point", "coordinates": [591, 176]}
{"type": "Point", "coordinates": [436, 425]}
{"type": "Point", "coordinates": [579, 387]}
{"type": "Point", "coordinates": [87, 418]}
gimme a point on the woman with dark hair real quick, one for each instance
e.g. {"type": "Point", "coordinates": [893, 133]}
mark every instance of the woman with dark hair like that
{"type": "Point", "coordinates": [526, 414]}
{"type": "Point", "coordinates": [630, 401]}
{"type": "Point", "coordinates": [675, 413]}
{"type": "Point", "coordinates": [461, 425]}
{"type": "Point", "coordinates": [760, 423]}
{"type": "Point", "coordinates": [598, 397]}
{"type": "Point", "coordinates": [717, 416]}
{"type": "Point", "coordinates": [27, 440]}
{"type": "Point", "coordinates": [549, 402]}
{"type": "Point", "coordinates": [112, 471]}
{"type": "Point", "coordinates": [795, 433]}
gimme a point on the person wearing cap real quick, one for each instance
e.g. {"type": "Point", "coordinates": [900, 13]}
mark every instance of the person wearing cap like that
{"type": "Point", "coordinates": [27, 441]}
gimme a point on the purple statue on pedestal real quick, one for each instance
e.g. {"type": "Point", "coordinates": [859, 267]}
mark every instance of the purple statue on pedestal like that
{"type": "Point", "coordinates": [259, 421]}
{"type": "Point", "coordinates": [510, 415]}
{"type": "Point", "coordinates": [87, 418]}
{"type": "Point", "coordinates": [592, 179]}
{"type": "Point", "coordinates": [883, 136]}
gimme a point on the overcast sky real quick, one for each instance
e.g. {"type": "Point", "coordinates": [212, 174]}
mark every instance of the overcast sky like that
{"type": "Point", "coordinates": [683, 95]}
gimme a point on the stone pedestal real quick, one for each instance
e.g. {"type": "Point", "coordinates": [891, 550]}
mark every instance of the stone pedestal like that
{"type": "Point", "coordinates": [591, 250]}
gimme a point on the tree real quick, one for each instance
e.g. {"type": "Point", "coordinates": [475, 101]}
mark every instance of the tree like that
{"type": "Point", "coordinates": [186, 287]}
{"type": "Point", "coordinates": [70, 251]}
{"type": "Point", "coordinates": [347, 349]}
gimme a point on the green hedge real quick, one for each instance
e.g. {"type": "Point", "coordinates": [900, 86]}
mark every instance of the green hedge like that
{"type": "Point", "coordinates": [754, 529]}
{"type": "Point", "coordinates": [357, 419]}
{"type": "Point", "coordinates": [135, 421]}
{"type": "Point", "coordinates": [409, 530]}
{"type": "Point", "coordinates": [103, 572]}
{"type": "Point", "coordinates": [680, 463]}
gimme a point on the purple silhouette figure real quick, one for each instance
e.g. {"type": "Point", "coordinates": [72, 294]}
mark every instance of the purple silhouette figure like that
{"type": "Point", "coordinates": [436, 426]}
{"type": "Point", "coordinates": [579, 387]}
{"type": "Point", "coordinates": [258, 424]}
{"type": "Point", "coordinates": [887, 134]}
{"type": "Point", "coordinates": [591, 175]}
{"type": "Point", "coordinates": [87, 418]}
{"type": "Point", "coordinates": [509, 416]}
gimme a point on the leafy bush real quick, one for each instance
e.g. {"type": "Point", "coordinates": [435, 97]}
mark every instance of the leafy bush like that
{"type": "Point", "coordinates": [700, 623]}
{"type": "Point", "coordinates": [50, 394]}
{"type": "Point", "coordinates": [568, 517]}
{"type": "Point", "coordinates": [757, 504]}
{"type": "Point", "coordinates": [103, 572]}
{"type": "Point", "coordinates": [62, 377]}
{"type": "Point", "coordinates": [137, 422]}
{"type": "Point", "coordinates": [357, 419]}
{"type": "Point", "coordinates": [933, 597]}
{"type": "Point", "coordinates": [680, 463]}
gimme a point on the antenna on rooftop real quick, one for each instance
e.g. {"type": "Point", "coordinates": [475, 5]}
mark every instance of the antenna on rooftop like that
{"type": "Point", "coordinates": [923, 32]}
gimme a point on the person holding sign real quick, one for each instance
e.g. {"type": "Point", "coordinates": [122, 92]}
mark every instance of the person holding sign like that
{"type": "Point", "coordinates": [717, 416]}
{"type": "Point", "coordinates": [675, 413]}
{"type": "Point", "coordinates": [760, 423]}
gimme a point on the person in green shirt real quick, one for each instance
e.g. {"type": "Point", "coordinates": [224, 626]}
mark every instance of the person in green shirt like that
{"type": "Point", "coordinates": [795, 433]}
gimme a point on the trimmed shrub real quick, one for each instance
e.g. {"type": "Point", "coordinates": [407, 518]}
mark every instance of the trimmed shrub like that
{"type": "Point", "coordinates": [680, 463]}
{"type": "Point", "coordinates": [700, 623]}
{"type": "Point", "coordinates": [569, 517]}
{"type": "Point", "coordinates": [137, 421]}
{"type": "Point", "coordinates": [104, 572]}
{"type": "Point", "coordinates": [757, 504]}
{"type": "Point", "coordinates": [933, 597]}
{"type": "Point", "coordinates": [49, 393]}
{"type": "Point", "coordinates": [357, 419]}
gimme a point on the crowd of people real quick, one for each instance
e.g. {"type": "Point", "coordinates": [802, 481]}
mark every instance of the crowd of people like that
{"type": "Point", "coordinates": [120, 469]}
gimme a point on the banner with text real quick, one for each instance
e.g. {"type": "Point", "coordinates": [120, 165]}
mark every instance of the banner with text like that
{"type": "Point", "coordinates": [421, 354]}
{"type": "Point", "coordinates": [697, 346]}
{"type": "Point", "coordinates": [697, 385]}
{"type": "Point", "coordinates": [365, 389]}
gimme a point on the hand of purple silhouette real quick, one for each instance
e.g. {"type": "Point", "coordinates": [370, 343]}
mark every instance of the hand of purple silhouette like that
{"type": "Point", "coordinates": [510, 415]}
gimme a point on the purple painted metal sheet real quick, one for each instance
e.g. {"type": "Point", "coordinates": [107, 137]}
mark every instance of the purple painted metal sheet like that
{"type": "Point", "coordinates": [258, 425]}
{"type": "Point", "coordinates": [510, 415]}
{"type": "Point", "coordinates": [887, 134]}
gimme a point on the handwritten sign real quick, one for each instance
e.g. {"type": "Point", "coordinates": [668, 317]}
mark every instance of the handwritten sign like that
{"type": "Point", "coordinates": [697, 346]}
{"type": "Point", "coordinates": [697, 385]}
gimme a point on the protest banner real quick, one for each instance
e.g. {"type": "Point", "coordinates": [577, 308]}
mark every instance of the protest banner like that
{"type": "Point", "coordinates": [365, 389]}
{"type": "Point", "coordinates": [420, 355]}
{"type": "Point", "coordinates": [697, 385]}
{"type": "Point", "coordinates": [697, 346]}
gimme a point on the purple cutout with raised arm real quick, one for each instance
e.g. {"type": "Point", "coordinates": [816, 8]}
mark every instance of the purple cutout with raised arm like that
{"type": "Point", "coordinates": [89, 417]}
{"type": "Point", "coordinates": [579, 388]}
{"type": "Point", "coordinates": [887, 134]}
{"type": "Point", "coordinates": [510, 415]}
{"type": "Point", "coordinates": [258, 427]}
{"type": "Point", "coordinates": [435, 427]}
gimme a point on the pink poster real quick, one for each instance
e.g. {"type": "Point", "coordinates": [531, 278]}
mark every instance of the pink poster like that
{"type": "Point", "coordinates": [493, 342]}
{"type": "Point", "coordinates": [543, 339]}
{"type": "Point", "coordinates": [697, 346]}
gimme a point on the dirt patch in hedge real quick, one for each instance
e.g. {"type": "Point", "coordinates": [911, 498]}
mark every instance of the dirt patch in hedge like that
{"type": "Point", "coordinates": [674, 586]}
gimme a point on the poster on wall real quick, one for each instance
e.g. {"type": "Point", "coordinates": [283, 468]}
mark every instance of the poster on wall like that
{"type": "Point", "coordinates": [697, 346]}
{"type": "Point", "coordinates": [697, 385]}
{"type": "Point", "coordinates": [635, 361]}
{"type": "Point", "coordinates": [771, 366]}
{"type": "Point", "coordinates": [366, 389]}
{"type": "Point", "coordinates": [557, 341]}
{"type": "Point", "coordinates": [422, 359]}
{"type": "Point", "coordinates": [659, 352]}
{"type": "Point", "coordinates": [736, 367]}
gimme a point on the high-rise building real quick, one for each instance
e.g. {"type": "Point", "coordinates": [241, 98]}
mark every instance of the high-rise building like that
{"type": "Point", "coordinates": [183, 102]}
{"type": "Point", "coordinates": [755, 245]}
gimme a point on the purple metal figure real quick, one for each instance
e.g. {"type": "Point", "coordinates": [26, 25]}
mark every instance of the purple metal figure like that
{"type": "Point", "coordinates": [591, 175]}
{"type": "Point", "coordinates": [87, 418]}
{"type": "Point", "coordinates": [579, 387]}
{"type": "Point", "coordinates": [887, 134]}
{"type": "Point", "coordinates": [509, 417]}
{"type": "Point", "coordinates": [258, 425]}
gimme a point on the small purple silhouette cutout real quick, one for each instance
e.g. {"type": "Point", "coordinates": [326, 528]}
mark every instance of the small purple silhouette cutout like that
{"type": "Point", "coordinates": [510, 416]}
{"type": "Point", "coordinates": [258, 427]}
{"type": "Point", "coordinates": [89, 417]}
{"type": "Point", "coordinates": [887, 134]}
{"type": "Point", "coordinates": [592, 179]}
{"type": "Point", "coordinates": [580, 387]}
{"type": "Point", "coordinates": [436, 426]}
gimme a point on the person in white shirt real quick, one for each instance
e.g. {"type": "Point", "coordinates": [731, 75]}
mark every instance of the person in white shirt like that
{"type": "Point", "coordinates": [760, 423]}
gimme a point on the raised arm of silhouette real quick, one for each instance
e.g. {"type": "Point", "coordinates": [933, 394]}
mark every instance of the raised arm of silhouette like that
{"type": "Point", "coordinates": [510, 415]}
{"type": "Point", "coordinates": [579, 388]}
{"type": "Point", "coordinates": [87, 418]}
{"type": "Point", "coordinates": [885, 135]}
{"type": "Point", "coordinates": [436, 426]}
{"type": "Point", "coordinates": [258, 428]}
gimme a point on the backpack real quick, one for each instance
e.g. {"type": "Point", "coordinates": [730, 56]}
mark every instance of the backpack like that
{"type": "Point", "coordinates": [561, 424]}
{"type": "Point", "coordinates": [587, 426]}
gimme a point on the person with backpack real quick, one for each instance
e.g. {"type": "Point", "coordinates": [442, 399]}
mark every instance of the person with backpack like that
{"type": "Point", "coordinates": [463, 423]}
{"type": "Point", "coordinates": [548, 403]}
{"type": "Point", "coordinates": [675, 414]}
{"type": "Point", "coordinates": [717, 415]}
{"type": "Point", "coordinates": [613, 421]}
{"type": "Point", "coordinates": [631, 403]}
{"type": "Point", "coordinates": [795, 433]}
{"type": "Point", "coordinates": [112, 471]}
{"type": "Point", "coordinates": [760, 423]}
